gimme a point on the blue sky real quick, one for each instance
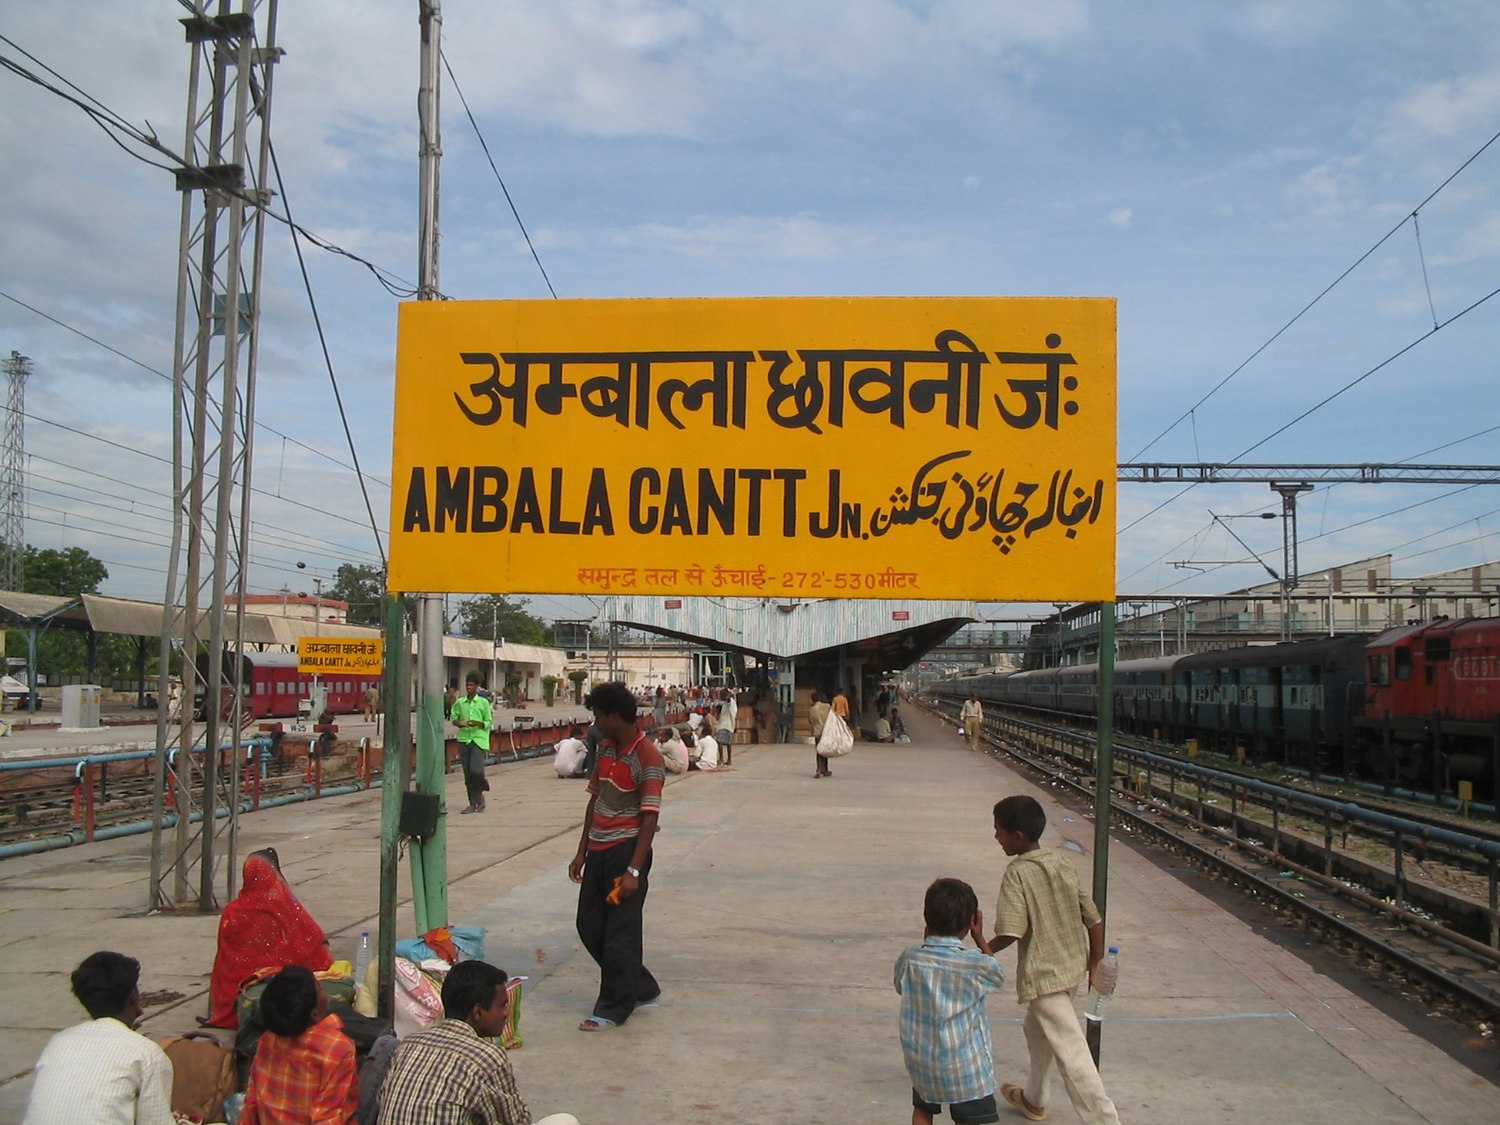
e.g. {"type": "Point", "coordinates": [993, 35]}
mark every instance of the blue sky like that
{"type": "Point", "coordinates": [1213, 166]}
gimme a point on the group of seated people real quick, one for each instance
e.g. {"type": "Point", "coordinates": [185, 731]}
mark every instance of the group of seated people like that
{"type": "Point", "coordinates": [693, 745]}
{"type": "Point", "coordinates": [454, 1072]}
{"type": "Point", "coordinates": [451, 1073]}
{"type": "Point", "coordinates": [890, 727]}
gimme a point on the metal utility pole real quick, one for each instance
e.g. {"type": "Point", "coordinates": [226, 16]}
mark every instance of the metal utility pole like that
{"type": "Point", "coordinates": [1289, 494]}
{"type": "Point", "coordinates": [429, 869]}
{"type": "Point", "coordinates": [1104, 775]}
{"type": "Point", "coordinates": [221, 240]}
{"type": "Point", "coordinates": [13, 476]}
{"type": "Point", "coordinates": [614, 642]}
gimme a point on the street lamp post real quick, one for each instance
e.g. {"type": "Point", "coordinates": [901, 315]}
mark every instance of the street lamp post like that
{"type": "Point", "coordinates": [316, 700]}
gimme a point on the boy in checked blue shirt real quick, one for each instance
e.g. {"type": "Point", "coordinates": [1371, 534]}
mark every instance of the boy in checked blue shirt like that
{"type": "Point", "coordinates": [945, 1028]}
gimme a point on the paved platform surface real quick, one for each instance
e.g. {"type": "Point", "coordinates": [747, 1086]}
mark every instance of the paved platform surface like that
{"type": "Point", "coordinates": [778, 906]}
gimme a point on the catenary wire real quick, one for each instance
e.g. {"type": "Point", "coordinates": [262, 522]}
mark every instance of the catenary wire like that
{"type": "Point", "coordinates": [168, 378]}
{"type": "Point", "coordinates": [333, 382]}
{"type": "Point", "coordinates": [1320, 404]}
{"type": "Point", "coordinates": [110, 121]}
{"type": "Point", "coordinates": [1327, 289]}
{"type": "Point", "coordinates": [498, 178]}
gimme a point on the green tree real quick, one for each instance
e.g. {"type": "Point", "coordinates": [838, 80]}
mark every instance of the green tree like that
{"type": "Point", "coordinates": [363, 587]}
{"type": "Point", "coordinates": [65, 573]}
{"type": "Point", "coordinates": [503, 618]}
{"type": "Point", "coordinates": [63, 652]}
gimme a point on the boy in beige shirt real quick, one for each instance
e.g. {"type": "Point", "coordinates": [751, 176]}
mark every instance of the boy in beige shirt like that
{"type": "Point", "coordinates": [1043, 906]}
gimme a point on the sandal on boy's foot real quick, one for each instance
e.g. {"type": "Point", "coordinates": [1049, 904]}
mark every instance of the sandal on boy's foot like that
{"type": "Point", "coordinates": [1017, 1097]}
{"type": "Point", "coordinates": [596, 1023]}
{"type": "Point", "coordinates": [471, 808]}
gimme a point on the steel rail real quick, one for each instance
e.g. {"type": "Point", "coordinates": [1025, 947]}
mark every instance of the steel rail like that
{"type": "Point", "coordinates": [1483, 1000]}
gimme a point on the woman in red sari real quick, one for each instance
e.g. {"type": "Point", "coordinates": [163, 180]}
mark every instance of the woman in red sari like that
{"type": "Point", "coordinates": [264, 927]}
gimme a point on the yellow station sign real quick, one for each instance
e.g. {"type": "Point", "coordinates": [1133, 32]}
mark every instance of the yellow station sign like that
{"type": "Point", "coordinates": [334, 656]}
{"type": "Point", "coordinates": [813, 447]}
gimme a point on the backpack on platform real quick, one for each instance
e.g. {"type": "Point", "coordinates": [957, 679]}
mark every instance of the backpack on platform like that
{"type": "Point", "coordinates": [202, 1074]}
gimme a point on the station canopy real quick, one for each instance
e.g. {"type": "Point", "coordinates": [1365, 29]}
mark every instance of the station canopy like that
{"type": "Point", "coordinates": [890, 633]}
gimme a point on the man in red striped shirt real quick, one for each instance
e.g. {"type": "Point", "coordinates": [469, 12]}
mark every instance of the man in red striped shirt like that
{"type": "Point", "coordinates": [613, 863]}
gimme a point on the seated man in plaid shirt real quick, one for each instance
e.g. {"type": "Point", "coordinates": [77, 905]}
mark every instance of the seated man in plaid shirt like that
{"type": "Point", "coordinates": [456, 1072]}
{"type": "Point", "coordinates": [945, 1027]}
{"type": "Point", "coordinates": [304, 1064]}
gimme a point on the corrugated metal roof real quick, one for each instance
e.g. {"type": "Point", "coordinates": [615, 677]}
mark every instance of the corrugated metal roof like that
{"type": "Point", "coordinates": [787, 628]}
{"type": "Point", "coordinates": [27, 607]}
{"type": "Point", "coordinates": [143, 619]}
{"type": "Point", "coordinates": [289, 630]}
{"type": "Point", "coordinates": [481, 649]}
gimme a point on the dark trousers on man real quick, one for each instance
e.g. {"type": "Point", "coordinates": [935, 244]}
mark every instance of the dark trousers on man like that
{"type": "Point", "coordinates": [471, 758]}
{"type": "Point", "coordinates": [613, 934]}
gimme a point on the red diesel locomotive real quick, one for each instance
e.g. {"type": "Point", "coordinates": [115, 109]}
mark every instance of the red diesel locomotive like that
{"type": "Point", "coordinates": [1432, 703]}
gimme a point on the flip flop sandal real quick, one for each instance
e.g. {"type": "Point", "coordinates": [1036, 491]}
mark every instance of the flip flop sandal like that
{"type": "Point", "coordinates": [596, 1023]}
{"type": "Point", "coordinates": [1017, 1097]}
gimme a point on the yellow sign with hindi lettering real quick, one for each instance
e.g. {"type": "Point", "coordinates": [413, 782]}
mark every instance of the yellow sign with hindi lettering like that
{"type": "Point", "coordinates": [333, 656]}
{"type": "Point", "coordinates": [872, 447]}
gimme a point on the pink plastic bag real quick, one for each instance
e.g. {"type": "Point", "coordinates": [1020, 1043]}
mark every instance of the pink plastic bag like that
{"type": "Point", "coordinates": [419, 1002]}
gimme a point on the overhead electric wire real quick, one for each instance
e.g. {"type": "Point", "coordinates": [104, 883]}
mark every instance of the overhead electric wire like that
{"type": "Point", "coordinates": [1436, 328]}
{"type": "Point", "coordinates": [1319, 405]}
{"type": "Point", "coordinates": [168, 378]}
{"type": "Point", "coordinates": [1411, 216]}
{"type": "Point", "coordinates": [293, 541]}
{"type": "Point", "coordinates": [108, 120]}
{"type": "Point", "coordinates": [296, 538]}
{"type": "Point", "coordinates": [498, 178]}
{"type": "Point", "coordinates": [154, 457]}
{"type": "Point", "coordinates": [333, 382]}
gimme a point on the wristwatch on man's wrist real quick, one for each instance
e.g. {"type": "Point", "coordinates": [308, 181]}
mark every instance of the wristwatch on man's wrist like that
{"type": "Point", "coordinates": [633, 872]}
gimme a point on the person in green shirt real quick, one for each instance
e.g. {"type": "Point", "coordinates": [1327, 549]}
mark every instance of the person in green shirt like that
{"type": "Point", "coordinates": [472, 716]}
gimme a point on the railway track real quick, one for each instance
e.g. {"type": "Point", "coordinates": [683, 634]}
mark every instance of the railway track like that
{"type": "Point", "coordinates": [47, 802]}
{"type": "Point", "coordinates": [1416, 948]}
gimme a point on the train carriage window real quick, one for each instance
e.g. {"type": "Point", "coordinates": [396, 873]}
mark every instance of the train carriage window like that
{"type": "Point", "coordinates": [1403, 664]}
{"type": "Point", "coordinates": [1439, 648]}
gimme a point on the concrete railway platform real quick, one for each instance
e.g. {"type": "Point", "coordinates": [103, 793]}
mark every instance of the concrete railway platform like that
{"type": "Point", "coordinates": [778, 906]}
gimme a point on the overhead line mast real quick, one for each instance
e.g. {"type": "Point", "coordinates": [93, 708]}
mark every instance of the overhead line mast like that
{"type": "Point", "coordinates": [13, 476]}
{"type": "Point", "coordinates": [221, 240]}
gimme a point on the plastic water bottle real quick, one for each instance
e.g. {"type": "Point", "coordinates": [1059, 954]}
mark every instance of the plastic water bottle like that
{"type": "Point", "coordinates": [362, 958]}
{"type": "Point", "coordinates": [1102, 987]}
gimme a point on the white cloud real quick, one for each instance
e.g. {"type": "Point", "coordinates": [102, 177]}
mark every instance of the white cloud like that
{"type": "Point", "coordinates": [1287, 22]}
{"type": "Point", "coordinates": [1121, 217]}
{"type": "Point", "coordinates": [1449, 108]}
{"type": "Point", "coordinates": [793, 238]}
{"type": "Point", "coordinates": [1332, 187]}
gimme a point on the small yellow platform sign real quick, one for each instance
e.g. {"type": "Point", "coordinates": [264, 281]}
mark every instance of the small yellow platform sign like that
{"type": "Point", "coordinates": [332, 656]}
{"type": "Point", "coordinates": [819, 447]}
